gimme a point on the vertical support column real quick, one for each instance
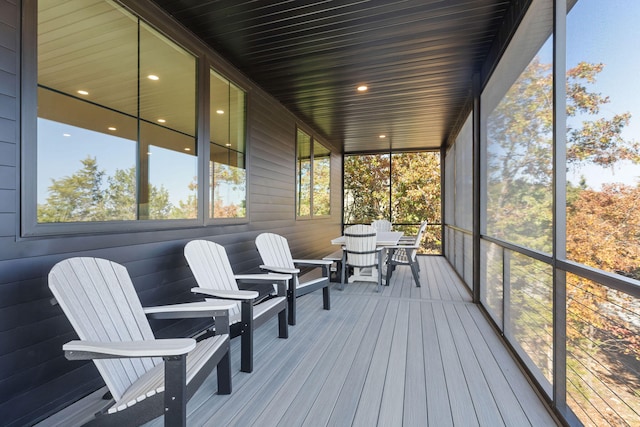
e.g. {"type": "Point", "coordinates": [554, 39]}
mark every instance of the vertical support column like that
{"type": "Point", "coordinates": [559, 207]}
{"type": "Point", "coordinates": [477, 210]}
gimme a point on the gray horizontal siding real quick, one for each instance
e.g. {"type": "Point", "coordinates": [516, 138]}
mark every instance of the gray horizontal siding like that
{"type": "Point", "coordinates": [35, 378]}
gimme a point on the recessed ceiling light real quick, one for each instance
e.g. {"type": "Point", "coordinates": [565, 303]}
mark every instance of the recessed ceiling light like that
{"type": "Point", "coordinates": [148, 153]}
{"type": "Point", "coordinates": [187, 149]}
{"type": "Point", "coordinates": [111, 128]}
{"type": "Point", "coordinates": [228, 145]}
{"type": "Point", "coordinates": [153, 77]}
{"type": "Point", "coordinates": [220, 111]}
{"type": "Point", "coordinates": [382, 136]}
{"type": "Point", "coordinates": [162, 121]}
{"type": "Point", "coordinates": [83, 92]}
{"type": "Point", "coordinates": [363, 88]}
{"type": "Point", "coordinates": [66, 134]}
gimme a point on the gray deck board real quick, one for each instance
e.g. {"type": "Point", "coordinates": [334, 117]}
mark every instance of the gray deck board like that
{"type": "Point", "coordinates": [407, 356]}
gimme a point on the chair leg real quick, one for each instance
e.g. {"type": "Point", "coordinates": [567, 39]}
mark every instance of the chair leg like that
{"type": "Point", "coordinates": [326, 296]}
{"type": "Point", "coordinates": [390, 265]}
{"type": "Point", "coordinates": [379, 273]}
{"type": "Point", "coordinates": [416, 275]}
{"type": "Point", "coordinates": [291, 299]}
{"type": "Point", "coordinates": [224, 373]}
{"type": "Point", "coordinates": [246, 337]}
{"type": "Point", "coordinates": [283, 328]}
{"type": "Point", "coordinates": [175, 393]}
{"type": "Point", "coordinates": [342, 275]}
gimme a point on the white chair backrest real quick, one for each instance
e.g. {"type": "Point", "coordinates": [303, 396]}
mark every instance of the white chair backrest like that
{"type": "Point", "coordinates": [421, 231]}
{"type": "Point", "coordinates": [381, 225]}
{"type": "Point", "coordinates": [101, 303]}
{"type": "Point", "coordinates": [360, 245]}
{"type": "Point", "coordinates": [274, 250]}
{"type": "Point", "coordinates": [210, 266]}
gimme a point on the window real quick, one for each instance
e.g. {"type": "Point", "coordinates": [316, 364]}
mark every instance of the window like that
{"type": "Point", "coordinates": [517, 132]}
{"type": "Point", "coordinates": [227, 142]}
{"type": "Point", "coordinates": [116, 125]}
{"type": "Point", "coordinates": [401, 187]}
{"type": "Point", "coordinates": [313, 177]}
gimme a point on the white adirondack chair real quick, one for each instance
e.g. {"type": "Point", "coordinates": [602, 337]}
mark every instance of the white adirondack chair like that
{"type": "Point", "coordinates": [211, 267]}
{"type": "Point", "coordinates": [276, 257]}
{"type": "Point", "coordinates": [381, 225]}
{"type": "Point", "coordinates": [405, 253]}
{"type": "Point", "coordinates": [147, 377]}
{"type": "Point", "coordinates": [361, 252]}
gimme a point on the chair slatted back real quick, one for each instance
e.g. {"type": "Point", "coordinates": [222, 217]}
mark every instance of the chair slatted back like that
{"type": "Point", "coordinates": [210, 266]}
{"type": "Point", "coordinates": [360, 245]}
{"type": "Point", "coordinates": [274, 251]}
{"type": "Point", "coordinates": [101, 303]}
{"type": "Point", "coordinates": [381, 225]}
{"type": "Point", "coordinates": [418, 240]}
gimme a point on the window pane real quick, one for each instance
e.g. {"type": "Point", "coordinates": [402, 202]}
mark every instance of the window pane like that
{"type": "Point", "coordinates": [227, 158]}
{"type": "Point", "coordinates": [603, 130]}
{"type": "Point", "coordinates": [366, 188]}
{"type": "Point", "coordinates": [116, 117]}
{"type": "Point", "coordinates": [415, 187]}
{"type": "Point", "coordinates": [603, 366]}
{"type": "Point", "coordinates": [303, 174]}
{"type": "Point", "coordinates": [519, 110]}
{"type": "Point", "coordinates": [167, 129]}
{"type": "Point", "coordinates": [228, 186]}
{"type": "Point", "coordinates": [321, 180]}
{"type": "Point", "coordinates": [491, 279]}
{"type": "Point", "coordinates": [530, 320]}
{"type": "Point", "coordinates": [86, 153]}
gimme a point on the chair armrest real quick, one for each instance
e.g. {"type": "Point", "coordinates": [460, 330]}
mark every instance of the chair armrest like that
{"type": "Point", "coordinates": [191, 309]}
{"type": "Point", "coordinates": [312, 262]}
{"type": "Point", "coordinates": [284, 270]}
{"type": "Point", "coordinates": [227, 294]}
{"type": "Point", "coordinates": [83, 350]}
{"type": "Point", "coordinates": [268, 277]}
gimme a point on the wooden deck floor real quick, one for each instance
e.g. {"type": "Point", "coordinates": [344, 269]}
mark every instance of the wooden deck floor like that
{"type": "Point", "coordinates": [406, 357]}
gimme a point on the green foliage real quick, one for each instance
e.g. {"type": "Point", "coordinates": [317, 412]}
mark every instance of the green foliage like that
{"type": "Point", "coordinates": [82, 197]}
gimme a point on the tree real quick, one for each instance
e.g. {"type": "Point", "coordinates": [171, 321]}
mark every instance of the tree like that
{"type": "Point", "coordinates": [82, 197]}
{"type": "Point", "coordinates": [75, 198]}
{"type": "Point", "coordinates": [602, 226]}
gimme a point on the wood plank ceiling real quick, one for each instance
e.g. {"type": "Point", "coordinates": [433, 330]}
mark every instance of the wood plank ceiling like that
{"type": "Point", "coordinates": [416, 56]}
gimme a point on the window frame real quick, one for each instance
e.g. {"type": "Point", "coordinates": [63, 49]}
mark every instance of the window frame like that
{"type": "Point", "coordinates": [205, 60]}
{"type": "Point", "coordinates": [312, 141]}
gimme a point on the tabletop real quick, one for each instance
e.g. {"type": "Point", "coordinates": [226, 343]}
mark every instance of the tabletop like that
{"type": "Point", "coordinates": [384, 238]}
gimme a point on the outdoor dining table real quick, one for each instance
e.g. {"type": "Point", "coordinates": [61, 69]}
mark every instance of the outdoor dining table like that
{"type": "Point", "coordinates": [383, 238]}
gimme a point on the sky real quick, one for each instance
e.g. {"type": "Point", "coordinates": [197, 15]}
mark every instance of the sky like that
{"type": "Point", "coordinates": [608, 32]}
{"type": "Point", "coordinates": [62, 147]}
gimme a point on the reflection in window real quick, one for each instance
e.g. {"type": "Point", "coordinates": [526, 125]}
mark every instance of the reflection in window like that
{"type": "Point", "coordinates": [520, 158]}
{"type": "Point", "coordinates": [227, 133]}
{"type": "Point", "coordinates": [113, 94]}
{"type": "Point", "coordinates": [313, 177]}
{"type": "Point", "coordinates": [321, 179]}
